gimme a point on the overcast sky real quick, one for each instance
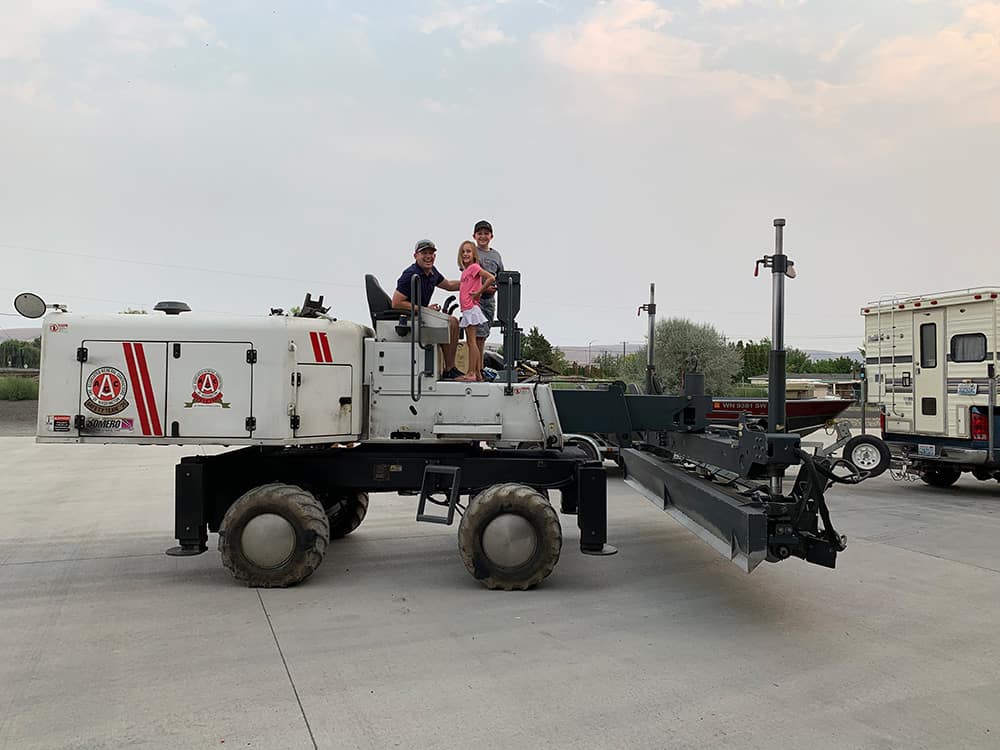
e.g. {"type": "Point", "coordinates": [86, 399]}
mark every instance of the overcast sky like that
{"type": "Point", "coordinates": [235, 155]}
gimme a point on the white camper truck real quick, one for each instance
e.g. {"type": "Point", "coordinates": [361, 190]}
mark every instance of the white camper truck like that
{"type": "Point", "coordinates": [931, 370]}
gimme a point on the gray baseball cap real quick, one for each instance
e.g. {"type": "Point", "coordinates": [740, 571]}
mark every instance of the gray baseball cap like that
{"type": "Point", "coordinates": [424, 245]}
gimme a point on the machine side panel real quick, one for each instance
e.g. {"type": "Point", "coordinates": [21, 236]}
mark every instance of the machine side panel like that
{"type": "Point", "coordinates": [123, 389]}
{"type": "Point", "coordinates": [209, 389]}
{"type": "Point", "coordinates": [324, 402]}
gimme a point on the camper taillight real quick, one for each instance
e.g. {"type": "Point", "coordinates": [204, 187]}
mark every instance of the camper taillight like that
{"type": "Point", "coordinates": [881, 421]}
{"type": "Point", "coordinates": [980, 425]}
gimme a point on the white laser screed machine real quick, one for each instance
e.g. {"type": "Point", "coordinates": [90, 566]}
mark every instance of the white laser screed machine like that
{"type": "Point", "coordinates": [324, 411]}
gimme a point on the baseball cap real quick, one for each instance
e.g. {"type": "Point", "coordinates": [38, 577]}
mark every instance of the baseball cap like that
{"type": "Point", "coordinates": [423, 245]}
{"type": "Point", "coordinates": [483, 225]}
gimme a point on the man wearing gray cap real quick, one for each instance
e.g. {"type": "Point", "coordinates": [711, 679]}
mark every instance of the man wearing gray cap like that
{"type": "Point", "coordinates": [429, 277]}
{"type": "Point", "coordinates": [490, 260]}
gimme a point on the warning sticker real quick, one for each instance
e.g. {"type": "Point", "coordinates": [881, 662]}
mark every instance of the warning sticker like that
{"type": "Point", "coordinates": [58, 422]}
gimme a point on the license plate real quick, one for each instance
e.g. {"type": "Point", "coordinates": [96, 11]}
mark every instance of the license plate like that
{"type": "Point", "coordinates": [926, 450]}
{"type": "Point", "coordinates": [968, 389]}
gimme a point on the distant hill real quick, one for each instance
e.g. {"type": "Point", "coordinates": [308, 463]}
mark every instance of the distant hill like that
{"type": "Point", "coordinates": [20, 334]}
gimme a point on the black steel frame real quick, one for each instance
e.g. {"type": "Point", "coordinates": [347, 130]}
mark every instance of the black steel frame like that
{"type": "Point", "coordinates": [206, 486]}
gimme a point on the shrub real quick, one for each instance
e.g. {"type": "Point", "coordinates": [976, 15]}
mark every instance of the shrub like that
{"type": "Point", "coordinates": [18, 389]}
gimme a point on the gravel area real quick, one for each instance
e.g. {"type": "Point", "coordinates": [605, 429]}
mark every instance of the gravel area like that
{"type": "Point", "coordinates": [18, 418]}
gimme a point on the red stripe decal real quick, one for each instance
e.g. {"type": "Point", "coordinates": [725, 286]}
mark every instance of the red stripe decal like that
{"type": "Point", "coordinates": [327, 356]}
{"type": "Point", "coordinates": [154, 413]}
{"type": "Point", "coordinates": [133, 376]}
{"type": "Point", "coordinates": [317, 353]}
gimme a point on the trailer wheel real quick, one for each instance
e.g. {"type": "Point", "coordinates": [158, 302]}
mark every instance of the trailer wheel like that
{"type": "Point", "coordinates": [347, 513]}
{"type": "Point", "coordinates": [940, 476]}
{"type": "Point", "coordinates": [868, 453]}
{"type": "Point", "coordinates": [510, 537]}
{"type": "Point", "coordinates": [275, 535]}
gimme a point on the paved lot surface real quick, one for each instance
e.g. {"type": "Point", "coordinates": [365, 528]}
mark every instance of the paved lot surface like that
{"type": "Point", "coordinates": [18, 418]}
{"type": "Point", "coordinates": [107, 643]}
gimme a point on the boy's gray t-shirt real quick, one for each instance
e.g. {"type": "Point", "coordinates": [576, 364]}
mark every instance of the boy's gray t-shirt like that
{"type": "Point", "coordinates": [490, 260]}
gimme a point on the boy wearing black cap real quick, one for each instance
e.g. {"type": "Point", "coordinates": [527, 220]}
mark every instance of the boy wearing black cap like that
{"type": "Point", "coordinates": [490, 260]}
{"type": "Point", "coordinates": [429, 277]}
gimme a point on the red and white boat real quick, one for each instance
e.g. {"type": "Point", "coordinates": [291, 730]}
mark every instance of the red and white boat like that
{"type": "Point", "coordinates": [803, 415]}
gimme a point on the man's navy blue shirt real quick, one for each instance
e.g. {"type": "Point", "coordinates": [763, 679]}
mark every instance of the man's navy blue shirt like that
{"type": "Point", "coordinates": [427, 283]}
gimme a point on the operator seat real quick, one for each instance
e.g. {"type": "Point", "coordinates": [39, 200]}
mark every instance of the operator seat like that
{"type": "Point", "coordinates": [380, 303]}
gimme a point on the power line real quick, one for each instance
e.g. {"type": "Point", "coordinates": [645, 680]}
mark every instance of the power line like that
{"type": "Point", "coordinates": [175, 266]}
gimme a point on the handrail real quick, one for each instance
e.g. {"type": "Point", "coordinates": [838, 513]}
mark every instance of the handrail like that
{"type": "Point", "coordinates": [414, 335]}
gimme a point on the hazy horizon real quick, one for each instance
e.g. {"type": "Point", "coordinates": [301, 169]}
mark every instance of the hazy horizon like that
{"type": "Point", "coordinates": [236, 155]}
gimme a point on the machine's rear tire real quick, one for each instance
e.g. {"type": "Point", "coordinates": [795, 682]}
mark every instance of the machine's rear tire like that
{"type": "Point", "coordinates": [347, 513]}
{"type": "Point", "coordinates": [868, 453]}
{"type": "Point", "coordinates": [940, 476]}
{"type": "Point", "coordinates": [275, 535]}
{"type": "Point", "coordinates": [510, 537]}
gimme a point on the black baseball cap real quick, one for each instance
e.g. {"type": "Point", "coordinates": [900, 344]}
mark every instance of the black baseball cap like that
{"type": "Point", "coordinates": [424, 245]}
{"type": "Point", "coordinates": [482, 225]}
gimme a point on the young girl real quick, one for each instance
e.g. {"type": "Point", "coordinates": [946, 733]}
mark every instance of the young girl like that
{"type": "Point", "coordinates": [474, 278]}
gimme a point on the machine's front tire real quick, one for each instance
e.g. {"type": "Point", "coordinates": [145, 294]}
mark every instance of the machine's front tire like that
{"type": "Point", "coordinates": [347, 513]}
{"type": "Point", "coordinates": [868, 453]}
{"type": "Point", "coordinates": [940, 476]}
{"type": "Point", "coordinates": [275, 535]}
{"type": "Point", "coordinates": [510, 537]}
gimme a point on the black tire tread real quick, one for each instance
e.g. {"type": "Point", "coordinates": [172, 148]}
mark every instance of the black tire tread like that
{"type": "Point", "coordinates": [311, 517]}
{"type": "Point", "coordinates": [347, 514]}
{"type": "Point", "coordinates": [940, 476]}
{"type": "Point", "coordinates": [502, 498]}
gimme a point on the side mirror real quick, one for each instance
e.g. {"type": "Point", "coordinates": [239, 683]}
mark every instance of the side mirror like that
{"type": "Point", "coordinates": [29, 305]}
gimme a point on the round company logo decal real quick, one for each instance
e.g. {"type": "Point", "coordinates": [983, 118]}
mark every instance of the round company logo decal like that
{"type": "Point", "coordinates": [207, 389]}
{"type": "Point", "coordinates": [106, 389]}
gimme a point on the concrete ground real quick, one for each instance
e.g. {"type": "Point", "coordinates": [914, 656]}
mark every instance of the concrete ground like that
{"type": "Point", "coordinates": [107, 643]}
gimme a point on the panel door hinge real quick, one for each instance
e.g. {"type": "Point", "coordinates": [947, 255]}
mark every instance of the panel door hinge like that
{"type": "Point", "coordinates": [251, 424]}
{"type": "Point", "coordinates": [251, 356]}
{"type": "Point", "coordinates": [81, 354]}
{"type": "Point", "coordinates": [177, 351]}
{"type": "Point", "coordinates": [79, 422]}
{"type": "Point", "coordinates": [296, 379]}
{"type": "Point", "coordinates": [294, 421]}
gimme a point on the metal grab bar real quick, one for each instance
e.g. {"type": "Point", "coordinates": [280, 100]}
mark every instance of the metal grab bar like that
{"type": "Point", "coordinates": [414, 335]}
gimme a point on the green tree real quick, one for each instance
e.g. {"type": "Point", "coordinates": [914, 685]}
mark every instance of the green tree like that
{"type": "Point", "coordinates": [535, 347]}
{"type": "Point", "coordinates": [683, 345]}
{"type": "Point", "coordinates": [756, 358]}
{"type": "Point", "coordinates": [836, 364]}
{"type": "Point", "coordinates": [19, 354]}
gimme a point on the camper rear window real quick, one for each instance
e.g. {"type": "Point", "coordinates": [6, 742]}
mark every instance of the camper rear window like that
{"type": "Point", "coordinates": [968, 347]}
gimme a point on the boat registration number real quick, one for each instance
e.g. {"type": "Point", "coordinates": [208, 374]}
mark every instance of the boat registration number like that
{"type": "Point", "coordinates": [923, 449]}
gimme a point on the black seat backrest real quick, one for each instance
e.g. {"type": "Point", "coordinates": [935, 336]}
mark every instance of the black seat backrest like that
{"type": "Point", "coordinates": [380, 303]}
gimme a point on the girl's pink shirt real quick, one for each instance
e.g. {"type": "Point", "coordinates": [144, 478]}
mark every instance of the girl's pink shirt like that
{"type": "Point", "coordinates": [470, 284]}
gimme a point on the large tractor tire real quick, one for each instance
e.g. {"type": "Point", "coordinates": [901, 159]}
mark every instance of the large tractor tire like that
{"type": "Point", "coordinates": [347, 513]}
{"type": "Point", "coordinates": [510, 537]}
{"type": "Point", "coordinates": [275, 535]}
{"type": "Point", "coordinates": [940, 476]}
{"type": "Point", "coordinates": [868, 453]}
